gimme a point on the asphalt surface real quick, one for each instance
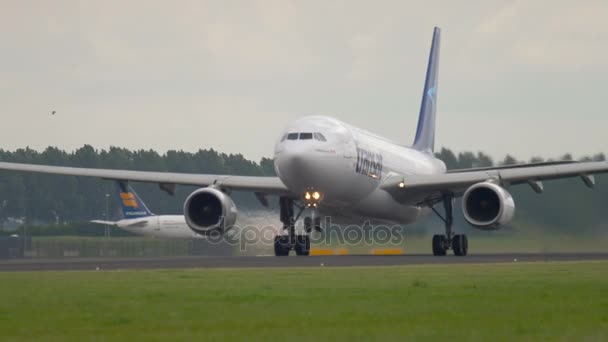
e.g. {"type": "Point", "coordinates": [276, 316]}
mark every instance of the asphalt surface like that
{"type": "Point", "coordinates": [268, 261]}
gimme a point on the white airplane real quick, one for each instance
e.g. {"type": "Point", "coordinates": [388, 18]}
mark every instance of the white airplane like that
{"type": "Point", "coordinates": [331, 168]}
{"type": "Point", "coordinates": [138, 219]}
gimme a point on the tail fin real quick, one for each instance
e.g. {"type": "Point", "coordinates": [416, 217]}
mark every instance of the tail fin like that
{"type": "Point", "coordinates": [132, 205]}
{"type": "Point", "coordinates": [425, 133]}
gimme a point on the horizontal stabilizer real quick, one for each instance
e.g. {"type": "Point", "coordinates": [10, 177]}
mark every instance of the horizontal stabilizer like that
{"type": "Point", "coordinates": [108, 223]}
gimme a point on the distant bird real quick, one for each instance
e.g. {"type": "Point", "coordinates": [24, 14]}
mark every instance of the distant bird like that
{"type": "Point", "coordinates": [53, 113]}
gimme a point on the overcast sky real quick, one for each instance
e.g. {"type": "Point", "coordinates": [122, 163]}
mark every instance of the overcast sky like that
{"type": "Point", "coordinates": [520, 77]}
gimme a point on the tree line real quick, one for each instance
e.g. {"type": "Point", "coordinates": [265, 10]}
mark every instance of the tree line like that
{"type": "Point", "coordinates": [40, 198]}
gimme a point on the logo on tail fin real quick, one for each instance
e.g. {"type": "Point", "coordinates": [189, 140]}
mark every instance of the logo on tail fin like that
{"type": "Point", "coordinates": [129, 200]}
{"type": "Point", "coordinates": [431, 96]}
{"type": "Point", "coordinates": [132, 205]}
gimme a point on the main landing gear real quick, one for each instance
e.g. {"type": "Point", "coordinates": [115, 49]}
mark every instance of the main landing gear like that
{"type": "Point", "coordinates": [300, 243]}
{"type": "Point", "coordinates": [457, 242]}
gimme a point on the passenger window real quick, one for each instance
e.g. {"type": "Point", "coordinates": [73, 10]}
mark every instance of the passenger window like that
{"type": "Point", "coordinates": [321, 137]}
{"type": "Point", "coordinates": [305, 136]}
{"type": "Point", "coordinates": [292, 136]}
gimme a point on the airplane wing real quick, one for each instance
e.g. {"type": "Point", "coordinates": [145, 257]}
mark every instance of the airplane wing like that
{"type": "Point", "coordinates": [427, 189]}
{"type": "Point", "coordinates": [166, 180]}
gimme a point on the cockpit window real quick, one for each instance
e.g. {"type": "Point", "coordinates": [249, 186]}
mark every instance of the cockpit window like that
{"type": "Point", "coordinates": [319, 136]}
{"type": "Point", "coordinates": [304, 136]}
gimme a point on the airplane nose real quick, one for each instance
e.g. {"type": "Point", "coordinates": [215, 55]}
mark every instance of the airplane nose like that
{"type": "Point", "coordinates": [295, 168]}
{"type": "Point", "coordinates": [290, 163]}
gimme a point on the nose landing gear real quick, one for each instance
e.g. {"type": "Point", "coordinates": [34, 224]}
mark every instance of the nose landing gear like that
{"type": "Point", "coordinates": [283, 244]}
{"type": "Point", "coordinates": [311, 200]}
{"type": "Point", "coordinates": [312, 223]}
{"type": "Point", "coordinates": [441, 243]}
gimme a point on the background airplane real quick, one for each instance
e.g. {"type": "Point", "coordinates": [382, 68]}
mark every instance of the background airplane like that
{"type": "Point", "coordinates": [138, 219]}
{"type": "Point", "coordinates": [326, 167]}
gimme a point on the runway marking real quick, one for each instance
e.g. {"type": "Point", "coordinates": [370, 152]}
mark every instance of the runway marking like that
{"type": "Point", "coordinates": [387, 251]}
{"type": "Point", "coordinates": [328, 251]}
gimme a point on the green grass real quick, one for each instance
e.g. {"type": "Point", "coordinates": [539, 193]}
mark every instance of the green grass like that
{"type": "Point", "coordinates": [77, 246]}
{"type": "Point", "coordinates": [57, 246]}
{"type": "Point", "coordinates": [536, 301]}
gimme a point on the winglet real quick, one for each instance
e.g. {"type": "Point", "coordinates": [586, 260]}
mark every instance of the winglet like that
{"type": "Point", "coordinates": [425, 132]}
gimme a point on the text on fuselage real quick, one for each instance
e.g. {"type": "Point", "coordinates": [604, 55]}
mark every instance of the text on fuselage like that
{"type": "Point", "coordinates": [369, 163]}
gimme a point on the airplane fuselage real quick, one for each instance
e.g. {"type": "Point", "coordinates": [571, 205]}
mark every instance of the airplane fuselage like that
{"type": "Point", "coordinates": [162, 226]}
{"type": "Point", "coordinates": [347, 165]}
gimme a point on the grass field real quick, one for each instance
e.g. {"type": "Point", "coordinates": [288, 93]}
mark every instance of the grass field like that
{"type": "Point", "coordinates": [536, 301]}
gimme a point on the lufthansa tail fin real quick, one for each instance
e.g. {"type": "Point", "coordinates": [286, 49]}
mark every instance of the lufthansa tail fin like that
{"type": "Point", "coordinates": [425, 133]}
{"type": "Point", "coordinates": [132, 205]}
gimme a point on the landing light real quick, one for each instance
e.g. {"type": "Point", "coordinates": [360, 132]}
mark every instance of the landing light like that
{"type": "Point", "coordinates": [312, 198]}
{"type": "Point", "coordinates": [402, 185]}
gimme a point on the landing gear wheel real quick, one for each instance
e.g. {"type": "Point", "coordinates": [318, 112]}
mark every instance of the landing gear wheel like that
{"type": "Point", "coordinates": [317, 224]}
{"type": "Point", "coordinates": [460, 244]}
{"type": "Point", "coordinates": [439, 245]}
{"type": "Point", "coordinates": [302, 245]}
{"type": "Point", "coordinates": [284, 243]}
{"type": "Point", "coordinates": [457, 242]}
{"type": "Point", "coordinates": [281, 245]}
{"type": "Point", "coordinates": [308, 224]}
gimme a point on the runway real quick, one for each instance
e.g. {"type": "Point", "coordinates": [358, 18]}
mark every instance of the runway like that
{"type": "Point", "coordinates": [67, 264]}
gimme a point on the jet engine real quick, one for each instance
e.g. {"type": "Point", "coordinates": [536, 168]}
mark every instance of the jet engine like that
{"type": "Point", "coordinates": [487, 206]}
{"type": "Point", "coordinates": [209, 209]}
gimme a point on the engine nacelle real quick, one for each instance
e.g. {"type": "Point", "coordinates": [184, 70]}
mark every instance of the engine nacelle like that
{"type": "Point", "coordinates": [487, 206]}
{"type": "Point", "coordinates": [209, 209]}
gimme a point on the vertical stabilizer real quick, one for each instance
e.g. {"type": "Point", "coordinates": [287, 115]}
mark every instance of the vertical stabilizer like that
{"type": "Point", "coordinates": [425, 133]}
{"type": "Point", "coordinates": [132, 205]}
